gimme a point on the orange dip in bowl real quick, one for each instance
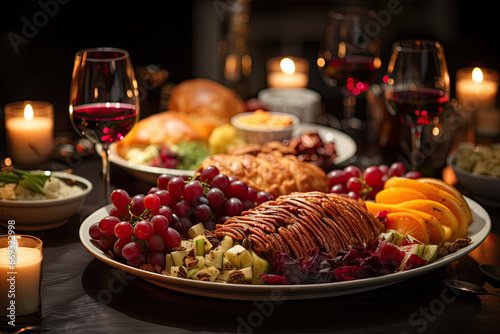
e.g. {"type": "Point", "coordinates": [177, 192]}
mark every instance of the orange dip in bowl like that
{"type": "Point", "coordinates": [264, 119]}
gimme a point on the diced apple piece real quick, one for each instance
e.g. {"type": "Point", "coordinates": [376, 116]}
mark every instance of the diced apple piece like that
{"type": "Point", "coordinates": [192, 272]}
{"type": "Point", "coordinates": [210, 272]}
{"type": "Point", "coordinates": [187, 244]}
{"type": "Point", "coordinates": [224, 275]}
{"type": "Point", "coordinates": [227, 265]}
{"type": "Point", "coordinates": [196, 230]}
{"type": "Point", "coordinates": [179, 256]}
{"type": "Point", "coordinates": [174, 271]}
{"type": "Point", "coordinates": [201, 261]}
{"type": "Point", "coordinates": [200, 247]}
{"type": "Point", "coordinates": [225, 244]}
{"type": "Point", "coordinates": [239, 256]}
{"type": "Point", "coordinates": [214, 258]}
{"type": "Point", "coordinates": [168, 262]}
{"type": "Point", "coordinates": [247, 271]}
{"type": "Point", "coordinates": [208, 244]}
{"type": "Point", "coordinates": [259, 266]}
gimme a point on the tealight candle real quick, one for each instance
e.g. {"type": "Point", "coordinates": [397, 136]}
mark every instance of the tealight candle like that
{"type": "Point", "coordinates": [288, 72]}
{"type": "Point", "coordinates": [476, 91]}
{"type": "Point", "coordinates": [20, 279]}
{"type": "Point", "coordinates": [29, 127]}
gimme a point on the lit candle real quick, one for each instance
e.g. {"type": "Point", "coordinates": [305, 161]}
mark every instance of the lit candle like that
{"type": "Point", "coordinates": [30, 132]}
{"type": "Point", "coordinates": [477, 87]}
{"type": "Point", "coordinates": [289, 72]}
{"type": "Point", "coordinates": [477, 92]}
{"type": "Point", "coordinates": [20, 278]}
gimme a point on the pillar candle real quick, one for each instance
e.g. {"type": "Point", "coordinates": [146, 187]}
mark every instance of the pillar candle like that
{"type": "Point", "coordinates": [20, 276]}
{"type": "Point", "coordinates": [29, 127]}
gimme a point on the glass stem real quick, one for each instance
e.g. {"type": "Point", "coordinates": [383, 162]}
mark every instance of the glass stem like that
{"type": "Point", "coordinates": [349, 108]}
{"type": "Point", "coordinates": [416, 132]}
{"type": "Point", "coordinates": [105, 174]}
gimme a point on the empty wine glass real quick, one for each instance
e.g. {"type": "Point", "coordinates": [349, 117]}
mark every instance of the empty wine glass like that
{"type": "Point", "coordinates": [417, 89]}
{"type": "Point", "coordinates": [349, 57]}
{"type": "Point", "coordinates": [104, 103]}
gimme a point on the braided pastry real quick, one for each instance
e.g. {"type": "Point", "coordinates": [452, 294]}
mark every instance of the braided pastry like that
{"type": "Point", "coordinates": [298, 222]}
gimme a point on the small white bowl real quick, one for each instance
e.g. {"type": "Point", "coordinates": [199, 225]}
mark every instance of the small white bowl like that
{"type": "Point", "coordinates": [485, 187]}
{"type": "Point", "coordinates": [253, 134]}
{"type": "Point", "coordinates": [44, 214]}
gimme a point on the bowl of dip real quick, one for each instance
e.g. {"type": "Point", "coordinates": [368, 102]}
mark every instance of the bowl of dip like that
{"type": "Point", "coordinates": [260, 126]}
{"type": "Point", "coordinates": [65, 195]}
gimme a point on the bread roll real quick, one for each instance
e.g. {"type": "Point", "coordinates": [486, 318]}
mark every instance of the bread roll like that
{"type": "Point", "coordinates": [165, 128]}
{"type": "Point", "coordinates": [206, 100]}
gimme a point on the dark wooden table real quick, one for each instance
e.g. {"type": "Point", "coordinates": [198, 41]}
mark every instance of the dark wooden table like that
{"type": "Point", "coordinates": [83, 295]}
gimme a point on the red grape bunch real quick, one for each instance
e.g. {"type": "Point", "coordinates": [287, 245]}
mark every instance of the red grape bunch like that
{"type": "Point", "coordinates": [142, 229]}
{"type": "Point", "coordinates": [366, 184]}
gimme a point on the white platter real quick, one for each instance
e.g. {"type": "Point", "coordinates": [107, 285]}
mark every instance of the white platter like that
{"type": "Point", "coordinates": [344, 145]}
{"type": "Point", "coordinates": [478, 231]}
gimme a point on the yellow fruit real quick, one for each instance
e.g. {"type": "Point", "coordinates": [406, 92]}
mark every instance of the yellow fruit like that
{"type": "Point", "coordinates": [435, 194]}
{"type": "Point", "coordinates": [439, 211]}
{"type": "Point", "coordinates": [436, 229]}
{"type": "Point", "coordinates": [451, 189]}
{"type": "Point", "coordinates": [408, 223]}
{"type": "Point", "coordinates": [397, 195]}
{"type": "Point", "coordinates": [447, 233]}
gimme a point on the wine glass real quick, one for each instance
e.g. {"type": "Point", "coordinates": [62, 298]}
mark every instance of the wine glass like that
{"type": "Point", "coordinates": [104, 103]}
{"type": "Point", "coordinates": [416, 91]}
{"type": "Point", "coordinates": [349, 57]}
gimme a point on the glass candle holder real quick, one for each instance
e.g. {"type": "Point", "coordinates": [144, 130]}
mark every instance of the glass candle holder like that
{"type": "Point", "coordinates": [29, 127]}
{"type": "Point", "coordinates": [20, 279]}
{"type": "Point", "coordinates": [477, 90]}
{"type": "Point", "coordinates": [287, 72]}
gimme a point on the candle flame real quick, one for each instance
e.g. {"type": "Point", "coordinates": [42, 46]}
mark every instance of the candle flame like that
{"type": "Point", "coordinates": [287, 66]}
{"type": "Point", "coordinates": [477, 75]}
{"type": "Point", "coordinates": [28, 112]}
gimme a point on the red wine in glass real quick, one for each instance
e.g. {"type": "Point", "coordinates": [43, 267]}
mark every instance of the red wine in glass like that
{"type": "Point", "coordinates": [104, 122]}
{"type": "Point", "coordinates": [352, 73]}
{"type": "Point", "coordinates": [416, 106]}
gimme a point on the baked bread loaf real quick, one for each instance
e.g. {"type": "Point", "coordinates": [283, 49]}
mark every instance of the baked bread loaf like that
{"type": "Point", "coordinates": [272, 172]}
{"type": "Point", "coordinates": [206, 100]}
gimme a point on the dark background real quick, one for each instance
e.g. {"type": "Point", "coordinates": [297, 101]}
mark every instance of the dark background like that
{"type": "Point", "coordinates": [167, 34]}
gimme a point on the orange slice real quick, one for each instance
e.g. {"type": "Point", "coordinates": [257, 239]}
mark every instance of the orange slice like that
{"type": "Point", "coordinates": [398, 195]}
{"type": "Point", "coordinates": [435, 194]}
{"type": "Point", "coordinates": [408, 223]}
{"type": "Point", "coordinates": [451, 189]}
{"type": "Point", "coordinates": [436, 229]}
{"type": "Point", "coordinates": [437, 210]}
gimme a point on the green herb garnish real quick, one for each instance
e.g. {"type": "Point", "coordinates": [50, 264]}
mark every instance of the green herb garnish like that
{"type": "Point", "coordinates": [33, 182]}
